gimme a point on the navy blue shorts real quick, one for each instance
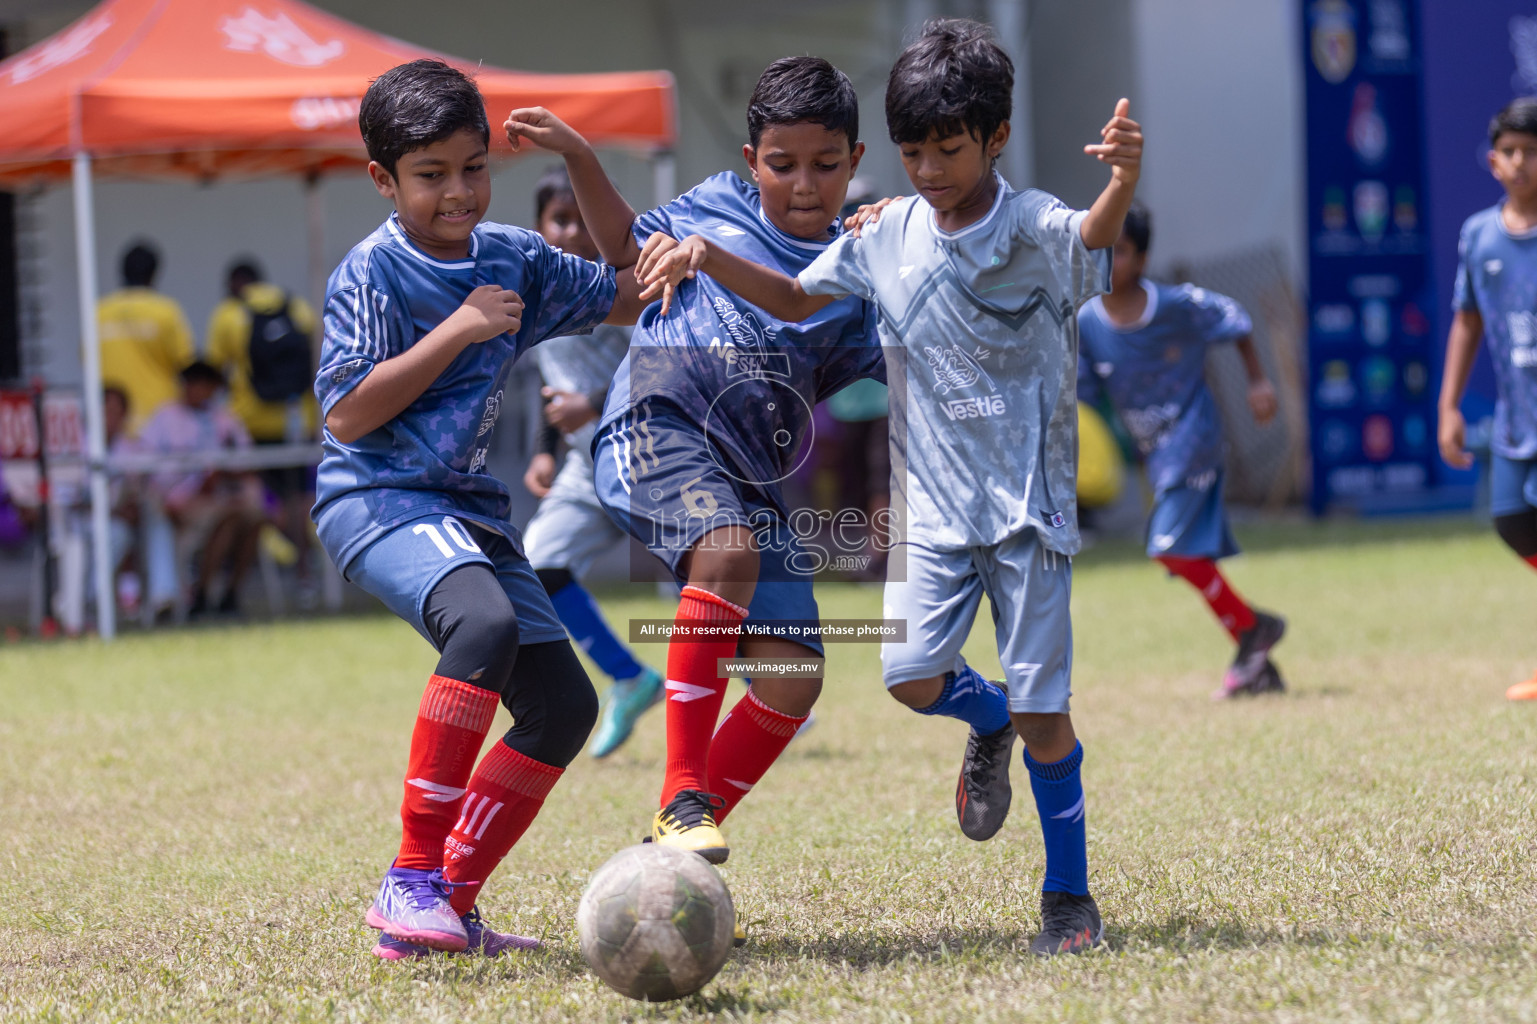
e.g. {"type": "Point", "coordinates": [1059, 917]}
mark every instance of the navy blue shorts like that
{"type": "Point", "coordinates": [1512, 486]}
{"type": "Point", "coordinates": [1191, 522]}
{"type": "Point", "coordinates": [403, 566]}
{"type": "Point", "coordinates": [660, 479]}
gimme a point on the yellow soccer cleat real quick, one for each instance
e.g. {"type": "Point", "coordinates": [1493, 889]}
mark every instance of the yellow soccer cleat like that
{"type": "Point", "coordinates": [738, 934]}
{"type": "Point", "coordinates": [688, 823]}
{"type": "Point", "coordinates": [1523, 691]}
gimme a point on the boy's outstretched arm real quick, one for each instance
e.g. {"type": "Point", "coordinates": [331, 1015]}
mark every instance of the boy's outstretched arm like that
{"type": "Point", "coordinates": [1262, 396]}
{"type": "Point", "coordinates": [608, 217]}
{"type": "Point", "coordinates": [664, 265]}
{"type": "Point", "coordinates": [1462, 343]}
{"type": "Point", "coordinates": [1120, 147]}
{"type": "Point", "coordinates": [488, 311]}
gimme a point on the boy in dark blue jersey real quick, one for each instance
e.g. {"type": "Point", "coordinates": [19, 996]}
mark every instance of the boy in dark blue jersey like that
{"type": "Point", "coordinates": [422, 320]}
{"type": "Point", "coordinates": [710, 412]}
{"type": "Point", "coordinates": [1144, 345]}
{"type": "Point", "coordinates": [1495, 297]}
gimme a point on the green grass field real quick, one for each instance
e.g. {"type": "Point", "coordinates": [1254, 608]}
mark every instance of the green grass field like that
{"type": "Point", "coordinates": [192, 823]}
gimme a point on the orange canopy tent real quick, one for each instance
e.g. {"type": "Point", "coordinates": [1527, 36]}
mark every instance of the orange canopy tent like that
{"type": "Point", "coordinates": [205, 89]}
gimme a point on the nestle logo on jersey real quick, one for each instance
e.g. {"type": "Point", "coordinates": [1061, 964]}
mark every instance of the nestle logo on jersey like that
{"type": "Point", "coordinates": [973, 408]}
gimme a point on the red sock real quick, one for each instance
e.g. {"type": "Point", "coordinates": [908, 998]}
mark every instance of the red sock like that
{"type": "Point", "coordinates": [695, 690]}
{"type": "Point", "coordinates": [750, 739]}
{"type": "Point", "coordinates": [505, 794]}
{"type": "Point", "coordinates": [1532, 561]}
{"type": "Point", "coordinates": [451, 724]}
{"type": "Point", "coordinates": [1203, 574]}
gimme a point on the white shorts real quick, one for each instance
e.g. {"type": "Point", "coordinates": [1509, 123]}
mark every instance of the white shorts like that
{"type": "Point", "coordinates": [570, 530]}
{"type": "Point", "coordinates": [1030, 588]}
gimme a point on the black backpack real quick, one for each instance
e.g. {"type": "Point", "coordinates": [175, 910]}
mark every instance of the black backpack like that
{"type": "Point", "coordinates": [281, 368]}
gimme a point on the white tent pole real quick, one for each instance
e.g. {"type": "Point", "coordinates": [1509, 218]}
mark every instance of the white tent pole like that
{"type": "Point", "coordinates": [95, 426]}
{"type": "Point", "coordinates": [664, 176]}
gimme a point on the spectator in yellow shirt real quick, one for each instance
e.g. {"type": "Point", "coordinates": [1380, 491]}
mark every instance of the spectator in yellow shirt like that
{"type": "Point", "coordinates": [145, 340]}
{"type": "Point", "coordinates": [288, 414]}
{"type": "Point", "coordinates": [271, 389]}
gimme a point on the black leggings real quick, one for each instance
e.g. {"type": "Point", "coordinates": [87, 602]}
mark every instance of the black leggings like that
{"type": "Point", "coordinates": [1519, 531]}
{"type": "Point", "coordinates": [544, 687]}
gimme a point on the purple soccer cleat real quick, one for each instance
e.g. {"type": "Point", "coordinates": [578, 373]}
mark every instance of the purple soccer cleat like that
{"type": "Point", "coordinates": [482, 942]}
{"type": "Point", "coordinates": [412, 906]}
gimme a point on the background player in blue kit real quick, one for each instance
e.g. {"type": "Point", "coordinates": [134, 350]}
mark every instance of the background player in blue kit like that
{"type": "Point", "coordinates": [1496, 297]}
{"type": "Point", "coordinates": [1144, 346]}
{"type": "Point", "coordinates": [570, 529]}
{"type": "Point", "coordinates": [977, 285]}
{"type": "Point", "coordinates": [422, 320]}
{"type": "Point", "coordinates": [710, 412]}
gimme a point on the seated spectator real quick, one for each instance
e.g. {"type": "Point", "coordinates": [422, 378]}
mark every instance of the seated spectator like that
{"type": "Point", "coordinates": [219, 508]}
{"type": "Point", "coordinates": [143, 541]}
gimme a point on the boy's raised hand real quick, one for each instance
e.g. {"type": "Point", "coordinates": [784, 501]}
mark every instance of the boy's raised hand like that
{"type": "Point", "coordinates": [543, 129]}
{"type": "Point", "coordinates": [1120, 144]}
{"type": "Point", "coordinates": [666, 263]}
{"type": "Point", "coordinates": [488, 312]}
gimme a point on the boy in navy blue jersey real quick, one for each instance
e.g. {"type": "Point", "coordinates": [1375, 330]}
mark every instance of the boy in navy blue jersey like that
{"type": "Point", "coordinates": [976, 285]}
{"type": "Point", "coordinates": [1144, 346]}
{"type": "Point", "coordinates": [710, 412]}
{"type": "Point", "coordinates": [422, 320]}
{"type": "Point", "coordinates": [1496, 297]}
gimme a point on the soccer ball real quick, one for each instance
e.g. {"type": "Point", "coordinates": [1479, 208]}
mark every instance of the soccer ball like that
{"type": "Point", "coordinates": [655, 922]}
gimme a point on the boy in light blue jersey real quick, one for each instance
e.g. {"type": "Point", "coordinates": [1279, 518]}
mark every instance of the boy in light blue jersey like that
{"type": "Point", "coordinates": [422, 321]}
{"type": "Point", "coordinates": [710, 412]}
{"type": "Point", "coordinates": [570, 530]}
{"type": "Point", "coordinates": [1495, 297]}
{"type": "Point", "coordinates": [976, 286]}
{"type": "Point", "coordinates": [1144, 346]}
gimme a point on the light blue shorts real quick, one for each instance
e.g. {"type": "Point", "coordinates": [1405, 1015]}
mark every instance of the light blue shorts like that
{"type": "Point", "coordinates": [403, 566]}
{"type": "Point", "coordinates": [1030, 588]}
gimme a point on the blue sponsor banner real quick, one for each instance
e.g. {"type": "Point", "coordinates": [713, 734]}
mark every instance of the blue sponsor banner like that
{"type": "Point", "coordinates": [1372, 326]}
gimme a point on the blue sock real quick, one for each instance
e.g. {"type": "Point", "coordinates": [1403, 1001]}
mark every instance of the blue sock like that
{"type": "Point", "coordinates": [973, 700]}
{"type": "Point", "coordinates": [1058, 789]}
{"type": "Point", "coordinates": [579, 614]}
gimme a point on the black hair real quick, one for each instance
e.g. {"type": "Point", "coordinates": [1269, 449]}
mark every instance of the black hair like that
{"type": "Point", "coordinates": [552, 184]}
{"type": "Point", "coordinates": [140, 263]}
{"type": "Point", "coordinates": [1519, 115]}
{"type": "Point", "coordinates": [246, 270]}
{"type": "Point", "coordinates": [198, 371]}
{"type": "Point", "coordinates": [414, 105]}
{"type": "Point", "coordinates": [796, 89]}
{"type": "Point", "coordinates": [955, 78]}
{"type": "Point", "coordinates": [1138, 227]}
{"type": "Point", "coordinates": [113, 391]}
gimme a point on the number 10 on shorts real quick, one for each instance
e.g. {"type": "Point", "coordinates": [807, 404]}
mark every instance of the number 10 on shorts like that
{"type": "Point", "coordinates": [454, 529]}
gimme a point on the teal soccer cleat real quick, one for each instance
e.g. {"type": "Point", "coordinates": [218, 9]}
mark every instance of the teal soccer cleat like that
{"type": "Point", "coordinates": [627, 700]}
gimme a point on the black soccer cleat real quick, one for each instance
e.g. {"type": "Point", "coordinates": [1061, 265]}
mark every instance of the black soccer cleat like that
{"type": "Point", "coordinates": [983, 792]}
{"type": "Point", "coordinates": [1069, 924]}
{"type": "Point", "coordinates": [1254, 645]}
